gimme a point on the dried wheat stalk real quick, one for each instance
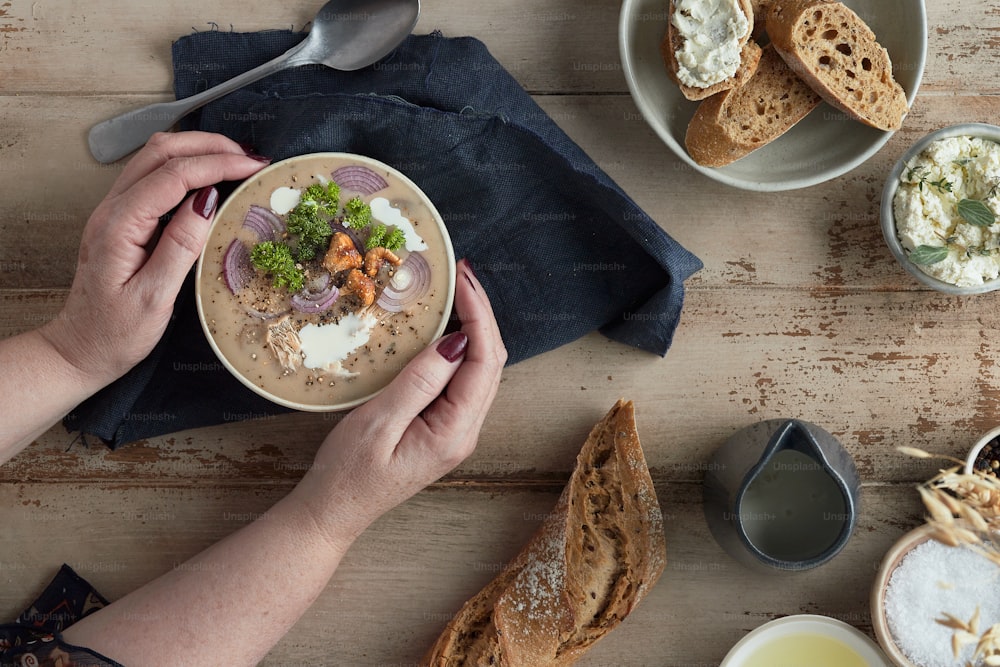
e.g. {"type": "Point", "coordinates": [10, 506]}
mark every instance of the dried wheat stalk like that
{"type": "Point", "coordinates": [964, 509]}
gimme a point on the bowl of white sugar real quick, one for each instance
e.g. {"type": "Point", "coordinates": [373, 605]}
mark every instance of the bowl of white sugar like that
{"type": "Point", "coordinates": [940, 210]}
{"type": "Point", "coordinates": [930, 598]}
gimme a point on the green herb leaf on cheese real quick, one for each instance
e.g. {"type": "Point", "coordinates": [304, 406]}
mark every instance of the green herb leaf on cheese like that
{"type": "Point", "coordinates": [975, 212]}
{"type": "Point", "coordinates": [925, 255]}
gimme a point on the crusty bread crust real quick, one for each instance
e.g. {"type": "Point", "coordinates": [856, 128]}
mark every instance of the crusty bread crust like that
{"type": "Point", "coordinates": [749, 56]}
{"type": "Point", "coordinates": [838, 55]}
{"type": "Point", "coordinates": [735, 122]}
{"type": "Point", "coordinates": [596, 555]}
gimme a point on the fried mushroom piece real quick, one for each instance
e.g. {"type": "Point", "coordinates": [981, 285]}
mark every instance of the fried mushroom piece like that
{"type": "Point", "coordinates": [342, 255]}
{"type": "Point", "coordinates": [377, 257]}
{"type": "Point", "coordinates": [361, 286]}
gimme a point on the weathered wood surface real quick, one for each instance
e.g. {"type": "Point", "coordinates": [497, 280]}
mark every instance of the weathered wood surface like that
{"type": "Point", "coordinates": [799, 311]}
{"type": "Point", "coordinates": [412, 570]}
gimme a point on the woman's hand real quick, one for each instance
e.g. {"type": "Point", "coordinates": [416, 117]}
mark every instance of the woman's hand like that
{"type": "Point", "coordinates": [424, 424]}
{"type": "Point", "coordinates": [125, 284]}
{"type": "Point", "coordinates": [126, 278]}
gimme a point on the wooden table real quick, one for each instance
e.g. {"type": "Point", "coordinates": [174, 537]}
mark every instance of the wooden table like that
{"type": "Point", "coordinates": [800, 311]}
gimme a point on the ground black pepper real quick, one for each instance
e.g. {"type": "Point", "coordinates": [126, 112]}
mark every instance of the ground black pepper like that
{"type": "Point", "coordinates": [988, 459]}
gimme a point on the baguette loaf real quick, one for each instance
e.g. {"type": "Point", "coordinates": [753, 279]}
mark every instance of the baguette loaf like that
{"type": "Point", "coordinates": [731, 124]}
{"type": "Point", "coordinates": [674, 41]}
{"type": "Point", "coordinates": [837, 54]}
{"type": "Point", "coordinates": [594, 557]}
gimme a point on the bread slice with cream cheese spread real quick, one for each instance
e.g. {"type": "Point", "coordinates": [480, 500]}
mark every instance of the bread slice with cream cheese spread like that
{"type": "Point", "coordinates": [731, 124]}
{"type": "Point", "coordinates": [707, 47]}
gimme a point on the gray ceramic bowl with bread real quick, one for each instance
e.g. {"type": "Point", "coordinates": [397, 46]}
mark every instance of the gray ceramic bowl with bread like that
{"type": "Point", "coordinates": [828, 141]}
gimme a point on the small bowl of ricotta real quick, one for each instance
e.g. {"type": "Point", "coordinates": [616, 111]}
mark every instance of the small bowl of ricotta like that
{"type": "Point", "coordinates": [940, 210]}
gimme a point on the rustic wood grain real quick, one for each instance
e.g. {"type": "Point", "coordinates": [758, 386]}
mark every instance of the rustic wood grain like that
{"type": "Point", "coordinates": [741, 355]}
{"type": "Point", "coordinates": [800, 311]}
{"type": "Point", "coordinates": [408, 574]}
{"type": "Point", "coordinates": [559, 46]}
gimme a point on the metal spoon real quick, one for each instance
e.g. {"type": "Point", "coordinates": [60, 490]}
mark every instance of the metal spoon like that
{"type": "Point", "coordinates": [345, 35]}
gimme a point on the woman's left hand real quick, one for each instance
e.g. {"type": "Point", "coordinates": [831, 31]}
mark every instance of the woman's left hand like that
{"type": "Point", "coordinates": [126, 278]}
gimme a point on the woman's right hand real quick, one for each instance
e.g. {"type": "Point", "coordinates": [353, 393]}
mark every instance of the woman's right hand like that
{"type": "Point", "coordinates": [422, 425]}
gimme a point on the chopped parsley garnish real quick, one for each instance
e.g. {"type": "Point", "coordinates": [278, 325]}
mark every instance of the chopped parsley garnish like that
{"type": "Point", "coordinates": [276, 259]}
{"type": "Point", "coordinates": [395, 240]}
{"type": "Point", "coordinates": [359, 214]}
{"type": "Point", "coordinates": [376, 238]}
{"type": "Point", "coordinates": [309, 223]}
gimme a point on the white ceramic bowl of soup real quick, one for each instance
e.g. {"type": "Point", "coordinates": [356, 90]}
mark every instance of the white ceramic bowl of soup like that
{"type": "Point", "coordinates": [805, 639]}
{"type": "Point", "coordinates": [322, 347]}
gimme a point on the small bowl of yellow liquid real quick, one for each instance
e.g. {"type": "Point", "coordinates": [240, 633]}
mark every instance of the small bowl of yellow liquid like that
{"type": "Point", "coordinates": [805, 639]}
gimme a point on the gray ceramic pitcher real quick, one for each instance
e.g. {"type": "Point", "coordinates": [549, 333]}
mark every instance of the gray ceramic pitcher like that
{"type": "Point", "coordinates": [782, 495]}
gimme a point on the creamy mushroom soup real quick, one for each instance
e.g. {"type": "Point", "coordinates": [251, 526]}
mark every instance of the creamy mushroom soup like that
{"type": "Point", "coordinates": [322, 277]}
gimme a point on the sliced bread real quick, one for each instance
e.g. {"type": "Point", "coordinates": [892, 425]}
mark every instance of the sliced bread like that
{"type": "Point", "coordinates": [596, 555]}
{"type": "Point", "coordinates": [837, 54]}
{"type": "Point", "coordinates": [673, 41]}
{"type": "Point", "coordinates": [731, 124]}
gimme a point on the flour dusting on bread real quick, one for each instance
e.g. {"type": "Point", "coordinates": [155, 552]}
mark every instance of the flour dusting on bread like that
{"type": "Point", "coordinates": [595, 556]}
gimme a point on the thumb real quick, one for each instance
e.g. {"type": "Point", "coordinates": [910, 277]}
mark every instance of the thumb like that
{"type": "Point", "coordinates": [181, 243]}
{"type": "Point", "coordinates": [421, 381]}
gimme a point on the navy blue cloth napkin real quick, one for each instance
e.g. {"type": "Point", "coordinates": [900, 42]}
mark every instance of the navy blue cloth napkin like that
{"type": "Point", "coordinates": [559, 247]}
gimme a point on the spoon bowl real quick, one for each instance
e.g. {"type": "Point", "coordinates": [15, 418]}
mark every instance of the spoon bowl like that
{"type": "Point", "coordinates": [345, 35]}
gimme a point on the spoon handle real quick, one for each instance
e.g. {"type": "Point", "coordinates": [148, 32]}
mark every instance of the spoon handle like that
{"type": "Point", "coordinates": [116, 137]}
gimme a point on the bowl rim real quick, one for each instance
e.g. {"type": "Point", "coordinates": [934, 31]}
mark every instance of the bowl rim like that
{"type": "Point", "coordinates": [648, 112]}
{"type": "Point", "coordinates": [970, 459]}
{"type": "Point", "coordinates": [891, 559]}
{"type": "Point", "coordinates": [887, 218]}
{"type": "Point", "coordinates": [358, 159]}
{"type": "Point", "coordinates": [834, 628]}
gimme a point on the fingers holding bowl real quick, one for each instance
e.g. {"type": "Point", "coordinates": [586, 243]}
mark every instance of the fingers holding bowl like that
{"type": "Point", "coordinates": [477, 382]}
{"type": "Point", "coordinates": [164, 146]}
{"type": "Point", "coordinates": [449, 427]}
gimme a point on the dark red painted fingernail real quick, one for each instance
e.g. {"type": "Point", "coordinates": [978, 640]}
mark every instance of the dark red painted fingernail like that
{"type": "Point", "coordinates": [205, 201]}
{"type": "Point", "coordinates": [468, 266]}
{"type": "Point", "coordinates": [452, 347]}
{"type": "Point", "coordinates": [252, 154]}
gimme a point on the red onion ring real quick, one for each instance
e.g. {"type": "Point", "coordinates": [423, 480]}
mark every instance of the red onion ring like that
{"type": "Point", "coordinates": [359, 179]}
{"type": "Point", "coordinates": [410, 283]}
{"type": "Point", "coordinates": [264, 223]}
{"type": "Point", "coordinates": [315, 302]}
{"type": "Point", "coordinates": [237, 270]}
